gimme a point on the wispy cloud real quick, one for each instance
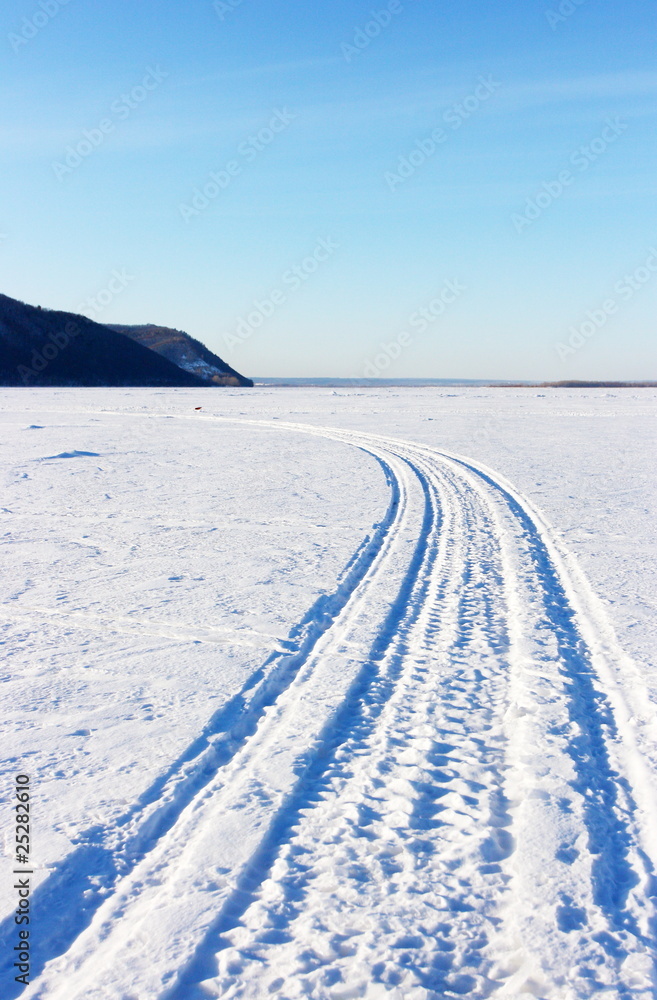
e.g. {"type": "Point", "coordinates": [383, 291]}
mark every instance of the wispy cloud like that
{"type": "Point", "coordinates": [525, 94]}
{"type": "Point", "coordinates": [180, 122]}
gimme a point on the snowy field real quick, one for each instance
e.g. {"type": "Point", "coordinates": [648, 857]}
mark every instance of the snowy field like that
{"type": "Point", "coordinates": [331, 693]}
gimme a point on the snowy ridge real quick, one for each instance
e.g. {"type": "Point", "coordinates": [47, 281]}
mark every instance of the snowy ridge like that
{"type": "Point", "coordinates": [451, 740]}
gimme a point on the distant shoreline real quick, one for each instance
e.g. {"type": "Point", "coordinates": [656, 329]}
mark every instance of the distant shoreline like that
{"type": "Point", "coordinates": [417, 383]}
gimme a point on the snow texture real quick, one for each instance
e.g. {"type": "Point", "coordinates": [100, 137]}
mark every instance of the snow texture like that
{"type": "Point", "coordinates": [332, 695]}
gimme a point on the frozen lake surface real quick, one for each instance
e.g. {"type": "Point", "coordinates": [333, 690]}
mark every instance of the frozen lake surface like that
{"type": "Point", "coordinates": [332, 693]}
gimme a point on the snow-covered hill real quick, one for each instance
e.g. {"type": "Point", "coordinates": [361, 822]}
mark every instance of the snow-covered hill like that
{"type": "Point", "coordinates": [186, 352]}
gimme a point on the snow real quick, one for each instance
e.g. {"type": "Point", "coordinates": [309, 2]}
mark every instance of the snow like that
{"type": "Point", "coordinates": [332, 694]}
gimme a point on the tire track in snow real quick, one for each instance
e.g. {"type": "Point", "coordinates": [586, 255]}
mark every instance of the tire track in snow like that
{"type": "Point", "coordinates": [571, 786]}
{"type": "Point", "coordinates": [402, 780]}
{"type": "Point", "coordinates": [519, 641]}
{"type": "Point", "coordinates": [164, 854]}
{"type": "Point", "coordinates": [80, 884]}
{"type": "Point", "coordinates": [612, 860]}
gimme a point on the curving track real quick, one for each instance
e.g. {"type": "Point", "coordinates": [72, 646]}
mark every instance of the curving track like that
{"type": "Point", "coordinates": [440, 791]}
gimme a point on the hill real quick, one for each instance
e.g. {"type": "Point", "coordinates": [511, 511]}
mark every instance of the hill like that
{"type": "Point", "coordinates": [576, 384]}
{"type": "Point", "coordinates": [184, 351]}
{"type": "Point", "coordinates": [46, 347]}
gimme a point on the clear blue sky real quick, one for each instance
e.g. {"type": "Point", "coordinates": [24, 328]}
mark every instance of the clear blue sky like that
{"type": "Point", "coordinates": [511, 93]}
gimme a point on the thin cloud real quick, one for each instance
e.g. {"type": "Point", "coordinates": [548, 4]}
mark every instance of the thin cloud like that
{"type": "Point", "coordinates": [534, 93]}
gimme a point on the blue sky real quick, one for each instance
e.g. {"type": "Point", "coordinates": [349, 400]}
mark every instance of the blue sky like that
{"type": "Point", "coordinates": [405, 189]}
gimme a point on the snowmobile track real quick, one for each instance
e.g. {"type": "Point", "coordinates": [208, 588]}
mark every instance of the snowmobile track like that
{"type": "Point", "coordinates": [388, 835]}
